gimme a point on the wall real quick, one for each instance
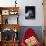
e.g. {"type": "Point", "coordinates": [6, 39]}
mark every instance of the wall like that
{"type": "Point", "coordinates": [38, 21]}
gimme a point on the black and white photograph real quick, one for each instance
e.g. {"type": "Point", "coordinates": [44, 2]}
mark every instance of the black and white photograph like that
{"type": "Point", "coordinates": [29, 12]}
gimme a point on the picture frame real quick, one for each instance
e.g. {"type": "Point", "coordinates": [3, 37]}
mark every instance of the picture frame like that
{"type": "Point", "coordinates": [5, 12]}
{"type": "Point", "coordinates": [29, 12]}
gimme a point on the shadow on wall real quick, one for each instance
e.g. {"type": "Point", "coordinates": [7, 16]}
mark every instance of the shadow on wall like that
{"type": "Point", "coordinates": [37, 29]}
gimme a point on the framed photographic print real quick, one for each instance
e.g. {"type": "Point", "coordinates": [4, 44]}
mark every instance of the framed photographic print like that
{"type": "Point", "coordinates": [29, 12]}
{"type": "Point", "coordinates": [5, 12]}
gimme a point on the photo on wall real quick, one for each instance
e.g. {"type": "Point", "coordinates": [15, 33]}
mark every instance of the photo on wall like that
{"type": "Point", "coordinates": [29, 12]}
